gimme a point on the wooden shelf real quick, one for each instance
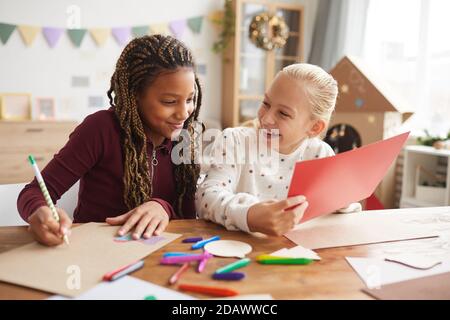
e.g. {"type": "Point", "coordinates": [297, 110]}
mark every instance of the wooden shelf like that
{"type": "Point", "coordinates": [232, 65]}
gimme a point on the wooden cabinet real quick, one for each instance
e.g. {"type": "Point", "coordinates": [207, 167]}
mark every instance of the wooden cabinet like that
{"type": "Point", "coordinates": [42, 139]}
{"type": "Point", "coordinates": [249, 70]}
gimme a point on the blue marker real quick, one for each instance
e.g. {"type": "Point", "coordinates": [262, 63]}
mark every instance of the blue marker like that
{"type": "Point", "coordinates": [176, 254]}
{"type": "Point", "coordinates": [192, 240]}
{"type": "Point", "coordinates": [202, 243]}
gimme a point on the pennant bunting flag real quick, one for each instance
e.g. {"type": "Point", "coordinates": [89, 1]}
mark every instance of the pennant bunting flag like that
{"type": "Point", "coordinates": [52, 35]}
{"type": "Point", "coordinates": [100, 35]}
{"type": "Point", "coordinates": [5, 31]}
{"type": "Point", "coordinates": [195, 24]}
{"type": "Point", "coordinates": [177, 27]}
{"type": "Point", "coordinates": [28, 34]}
{"type": "Point", "coordinates": [122, 35]}
{"type": "Point", "coordinates": [140, 31]}
{"type": "Point", "coordinates": [76, 36]}
{"type": "Point", "coordinates": [160, 28]}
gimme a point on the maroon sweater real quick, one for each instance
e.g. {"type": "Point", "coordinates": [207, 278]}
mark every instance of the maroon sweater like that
{"type": "Point", "coordinates": [94, 156]}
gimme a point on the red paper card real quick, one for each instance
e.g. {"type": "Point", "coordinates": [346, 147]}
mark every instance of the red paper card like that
{"type": "Point", "coordinates": [332, 183]}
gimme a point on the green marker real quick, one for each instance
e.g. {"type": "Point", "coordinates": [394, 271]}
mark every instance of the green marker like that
{"type": "Point", "coordinates": [233, 266]}
{"type": "Point", "coordinates": [267, 259]}
{"type": "Point", "coordinates": [44, 190]}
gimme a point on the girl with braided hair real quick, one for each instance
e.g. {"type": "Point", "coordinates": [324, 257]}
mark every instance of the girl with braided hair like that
{"type": "Point", "coordinates": [122, 156]}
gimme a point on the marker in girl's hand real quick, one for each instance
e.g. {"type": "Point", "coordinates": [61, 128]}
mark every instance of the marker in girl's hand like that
{"type": "Point", "coordinates": [47, 197]}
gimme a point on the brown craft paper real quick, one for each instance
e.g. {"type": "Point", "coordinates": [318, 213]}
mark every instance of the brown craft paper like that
{"type": "Point", "coordinates": [92, 253]}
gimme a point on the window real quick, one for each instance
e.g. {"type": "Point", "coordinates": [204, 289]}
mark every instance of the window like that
{"type": "Point", "coordinates": [408, 44]}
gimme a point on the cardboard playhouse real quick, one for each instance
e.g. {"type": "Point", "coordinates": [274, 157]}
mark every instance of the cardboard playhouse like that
{"type": "Point", "coordinates": [366, 112]}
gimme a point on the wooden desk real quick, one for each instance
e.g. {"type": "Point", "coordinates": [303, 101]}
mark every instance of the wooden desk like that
{"type": "Point", "coordinates": [330, 278]}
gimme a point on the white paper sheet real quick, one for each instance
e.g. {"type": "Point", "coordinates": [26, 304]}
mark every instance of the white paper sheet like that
{"type": "Point", "coordinates": [296, 252]}
{"type": "Point", "coordinates": [127, 288]}
{"type": "Point", "coordinates": [375, 272]}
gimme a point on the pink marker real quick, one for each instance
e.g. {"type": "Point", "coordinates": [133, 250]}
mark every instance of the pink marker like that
{"type": "Point", "coordinates": [202, 265]}
{"type": "Point", "coordinates": [183, 259]}
{"type": "Point", "coordinates": [173, 279]}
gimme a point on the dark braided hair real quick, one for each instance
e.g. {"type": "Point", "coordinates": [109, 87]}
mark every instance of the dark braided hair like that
{"type": "Point", "coordinates": [142, 60]}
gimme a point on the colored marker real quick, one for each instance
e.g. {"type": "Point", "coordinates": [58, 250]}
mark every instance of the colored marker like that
{"type": "Point", "coordinates": [177, 254]}
{"type": "Point", "coordinates": [151, 297]}
{"type": "Point", "coordinates": [119, 273]}
{"type": "Point", "coordinates": [229, 276]}
{"type": "Point", "coordinates": [183, 259]}
{"type": "Point", "coordinates": [267, 259]}
{"type": "Point", "coordinates": [202, 265]}
{"type": "Point", "coordinates": [201, 244]}
{"type": "Point", "coordinates": [192, 240]}
{"type": "Point", "coordinates": [233, 266]}
{"type": "Point", "coordinates": [44, 191]}
{"type": "Point", "coordinates": [176, 276]}
{"type": "Point", "coordinates": [212, 291]}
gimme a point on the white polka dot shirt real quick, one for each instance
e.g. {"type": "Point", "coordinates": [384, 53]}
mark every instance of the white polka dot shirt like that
{"type": "Point", "coordinates": [231, 188]}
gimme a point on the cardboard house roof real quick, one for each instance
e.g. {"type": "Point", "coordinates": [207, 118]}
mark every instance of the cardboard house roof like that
{"type": "Point", "coordinates": [361, 90]}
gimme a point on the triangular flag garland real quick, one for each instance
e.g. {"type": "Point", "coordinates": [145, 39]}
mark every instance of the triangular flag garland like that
{"type": "Point", "coordinates": [100, 35]}
{"type": "Point", "coordinates": [5, 31]}
{"type": "Point", "coordinates": [195, 24]}
{"type": "Point", "coordinates": [52, 35]}
{"type": "Point", "coordinates": [140, 31]}
{"type": "Point", "coordinates": [177, 27]}
{"type": "Point", "coordinates": [76, 36]}
{"type": "Point", "coordinates": [160, 28]}
{"type": "Point", "coordinates": [122, 35]}
{"type": "Point", "coordinates": [28, 34]}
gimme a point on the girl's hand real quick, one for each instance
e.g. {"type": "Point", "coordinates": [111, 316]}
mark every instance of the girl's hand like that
{"type": "Point", "coordinates": [45, 229]}
{"type": "Point", "coordinates": [148, 219]}
{"type": "Point", "coordinates": [273, 218]}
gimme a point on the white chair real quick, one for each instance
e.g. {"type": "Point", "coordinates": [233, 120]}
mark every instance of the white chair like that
{"type": "Point", "coordinates": [9, 216]}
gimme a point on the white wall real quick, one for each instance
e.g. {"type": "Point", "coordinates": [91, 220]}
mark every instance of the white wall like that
{"type": "Point", "coordinates": [43, 71]}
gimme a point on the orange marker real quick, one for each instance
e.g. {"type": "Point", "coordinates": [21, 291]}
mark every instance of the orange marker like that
{"type": "Point", "coordinates": [173, 279]}
{"type": "Point", "coordinates": [212, 291]}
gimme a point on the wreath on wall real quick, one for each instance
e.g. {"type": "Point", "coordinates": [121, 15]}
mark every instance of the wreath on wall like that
{"type": "Point", "coordinates": [268, 31]}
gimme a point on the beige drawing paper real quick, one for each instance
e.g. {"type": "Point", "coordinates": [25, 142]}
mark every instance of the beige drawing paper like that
{"type": "Point", "coordinates": [74, 269]}
{"type": "Point", "coordinates": [360, 228]}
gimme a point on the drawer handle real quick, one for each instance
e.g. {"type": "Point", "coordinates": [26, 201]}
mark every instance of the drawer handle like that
{"type": "Point", "coordinates": [34, 130]}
